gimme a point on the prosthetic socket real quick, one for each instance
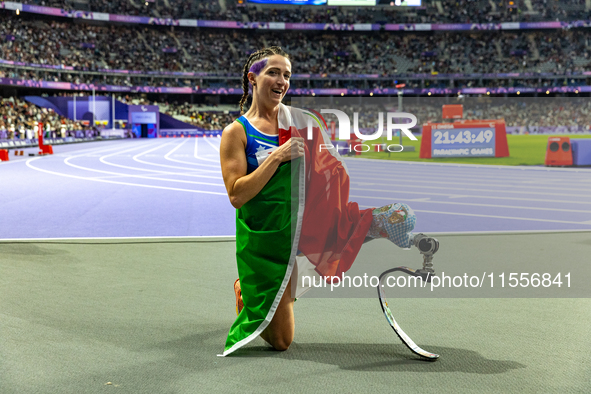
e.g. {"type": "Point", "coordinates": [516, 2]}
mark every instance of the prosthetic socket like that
{"type": "Point", "coordinates": [395, 222]}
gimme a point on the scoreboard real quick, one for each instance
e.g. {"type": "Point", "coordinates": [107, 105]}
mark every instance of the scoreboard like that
{"type": "Point", "coordinates": [467, 138]}
{"type": "Point", "coordinates": [474, 141]}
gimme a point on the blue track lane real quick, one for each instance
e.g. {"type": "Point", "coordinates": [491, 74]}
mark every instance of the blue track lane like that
{"type": "Point", "coordinates": [173, 187]}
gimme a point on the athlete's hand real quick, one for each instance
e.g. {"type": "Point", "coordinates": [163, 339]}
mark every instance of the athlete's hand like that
{"type": "Point", "coordinates": [292, 149]}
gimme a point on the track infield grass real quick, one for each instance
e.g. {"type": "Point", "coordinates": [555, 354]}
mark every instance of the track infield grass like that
{"type": "Point", "coordinates": [524, 150]}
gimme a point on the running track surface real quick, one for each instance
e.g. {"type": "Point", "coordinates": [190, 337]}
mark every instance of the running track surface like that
{"type": "Point", "coordinates": [173, 187]}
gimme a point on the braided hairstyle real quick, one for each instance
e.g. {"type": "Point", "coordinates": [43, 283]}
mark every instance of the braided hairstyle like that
{"type": "Point", "coordinates": [253, 58]}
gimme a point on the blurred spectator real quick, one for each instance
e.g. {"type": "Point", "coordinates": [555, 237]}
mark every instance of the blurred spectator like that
{"type": "Point", "coordinates": [18, 119]}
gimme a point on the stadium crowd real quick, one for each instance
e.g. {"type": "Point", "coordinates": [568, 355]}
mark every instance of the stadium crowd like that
{"type": "Point", "coordinates": [18, 119]}
{"type": "Point", "coordinates": [93, 48]}
{"type": "Point", "coordinates": [188, 113]}
{"type": "Point", "coordinates": [447, 11]}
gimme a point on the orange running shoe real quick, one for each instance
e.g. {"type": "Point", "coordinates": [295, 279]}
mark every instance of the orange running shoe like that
{"type": "Point", "coordinates": [238, 292]}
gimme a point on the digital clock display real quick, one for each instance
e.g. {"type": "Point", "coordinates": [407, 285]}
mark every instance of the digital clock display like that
{"type": "Point", "coordinates": [466, 142]}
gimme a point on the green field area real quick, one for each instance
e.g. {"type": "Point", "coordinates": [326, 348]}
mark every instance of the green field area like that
{"type": "Point", "coordinates": [524, 150]}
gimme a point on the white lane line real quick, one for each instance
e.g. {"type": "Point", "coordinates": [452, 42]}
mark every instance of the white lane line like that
{"type": "Point", "coordinates": [135, 158]}
{"type": "Point", "coordinates": [196, 154]}
{"type": "Point", "coordinates": [428, 200]}
{"type": "Point", "coordinates": [214, 147]}
{"type": "Point", "coordinates": [493, 216]}
{"type": "Point", "coordinates": [11, 161]}
{"type": "Point", "coordinates": [502, 217]}
{"type": "Point", "coordinates": [118, 183]}
{"type": "Point", "coordinates": [427, 176]}
{"type": "Point", "coordinates": [96, 150]}
{"type": "Point", "coordinates": [190, 171]}
{"type": "Point", "coordinates": [67, 162]}
{"type": "Point", "coordinates": [197, 238]}
{"type": "Point", "coordinates": [471, 196]}
{"type": "Point", "coordinates": [522, 171]}
{"type": "Point", "coordinates": [214, 238]}
{"type": "Point", "coordinates": [501, 189]}
{"type": "Point", "coordinates": [484, 166]}
{"type": "Point", "coordinates": [417, 179]}
{"type": "Point", "coordinates": [187, 162]}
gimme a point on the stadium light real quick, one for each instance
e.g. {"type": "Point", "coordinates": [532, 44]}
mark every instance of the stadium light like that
{"type": "Point", "coordinates": [429, 93]}
{"type": "Point", "coordinates": [488, 93]}
{"type": "Point", "coordinates": [518, 92]}
{"type": "Point", "coordinates": [342, 94]}
{"type": "Point", "coordinates": [371, 94]}
{"type": "Point", "coordinates": [547, 92]}
{"type": "Point", "coordinates": [576, 91]}
{"type": "Point", "coordinates": [18, 12]}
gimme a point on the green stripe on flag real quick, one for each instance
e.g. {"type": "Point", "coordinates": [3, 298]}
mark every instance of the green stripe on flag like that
{"type": "Point", "coordinates": [264, 239]}
{"type": "Point", "coordinates": [315, 118]}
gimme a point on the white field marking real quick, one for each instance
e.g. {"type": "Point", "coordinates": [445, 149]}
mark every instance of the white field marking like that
{"type": "Point", "coordinates": [487, 166]}
{"type": "Point", "coordinates": [507, 232]}
{"type": "Point", "coordinates": [11, 161]}
{"type": "Point", "coordinates": [135, 158]}
{"type": "Point", "coordinates": [196, 154]}
{"type": "Point", "coordinates": [502, 217]}
{"type": "Point", "coordinates": [67, 162]}
{"type": "Point", "coordinates": [118, 183]}
{"type": "Point", "coordinates": [190, 171]}
{"type": "Point", "coordinates": [186, 162]}
{"type": "Point", "coordinates": [214, 238]}
{"type": "Point", "coordinates": [100, 150]}
{"type": "Point", "coordinates": [533, 192]}
{"type": "Point", "coordinates": [471, 196]}
{"type": "Point", "coordinates": [426, 200]}
{"type": "Point", "coordinates": [96, 150]}
{"type": "Point", "coordinates": [213, 145]}
{"type": "Point", "coordinates": [586, 222]}
{"type": "Point", "coordinates": [473, 168]}
{"type": "Point", "coordinates": [539, 171]}
{"type": "Point", "coordinates": [111, 145]}
{"type": "Point", "coordinates": [509, 183]}
{"type": "Point", "coordinates": [200, 238]}
{"type": "Point", "coordinates": [499, 232]}
{"type": "Point", "coordinates": [479, 177]}
{"type": "Point", "coordinates": [508, 180]}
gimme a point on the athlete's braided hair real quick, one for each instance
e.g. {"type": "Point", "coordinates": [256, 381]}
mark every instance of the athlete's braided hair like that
{"type": "Point", "coordinates": [253, 58]}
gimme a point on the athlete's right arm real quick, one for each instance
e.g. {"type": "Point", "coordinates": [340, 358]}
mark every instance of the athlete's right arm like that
{"type": "Point", "coordinates": [242, 188]}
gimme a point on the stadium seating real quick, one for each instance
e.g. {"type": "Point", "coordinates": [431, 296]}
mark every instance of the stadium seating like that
{"type": "Point", "coordinates": [563, 54]}
{"type": "Point", "coordinates": [447, 11]}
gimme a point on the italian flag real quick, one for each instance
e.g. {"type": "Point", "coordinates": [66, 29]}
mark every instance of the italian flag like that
{"type": "Point", "coordinates": [301, 222]}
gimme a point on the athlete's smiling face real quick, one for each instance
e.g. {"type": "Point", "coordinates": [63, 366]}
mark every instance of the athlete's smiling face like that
{"type": "Point", "coordinates": [272, 82]}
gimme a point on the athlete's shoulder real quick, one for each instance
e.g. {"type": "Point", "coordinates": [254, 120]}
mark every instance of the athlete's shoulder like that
{"type": "Point", "coordinates": [235, 130]}
{"type": "Point", "coordinates": [234, 127]}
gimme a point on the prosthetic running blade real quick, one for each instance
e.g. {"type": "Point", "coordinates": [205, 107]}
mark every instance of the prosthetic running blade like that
{"type": "Point", "coordinates": [427, 246]}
